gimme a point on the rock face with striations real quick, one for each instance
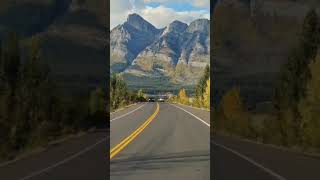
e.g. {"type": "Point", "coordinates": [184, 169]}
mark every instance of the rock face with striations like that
{"type": "Point", "coordinates": [128, 39]}
{"type": "Point", "coordinates": [177, 51]}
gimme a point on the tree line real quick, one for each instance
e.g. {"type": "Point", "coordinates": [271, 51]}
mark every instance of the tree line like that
{"type": "Point", "coordinates": [120, 95]}
{"type": "Point", "coordinates": [296, 100]}
{"type": "Point", "coordinates": [202, 92]}
{"type": "Point", "coordinates": [33, 111]}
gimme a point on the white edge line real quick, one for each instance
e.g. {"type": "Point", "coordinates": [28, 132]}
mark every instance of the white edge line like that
{"type": "Point", "coordinates": [203, 109]}
{"type": "Point", "coordinates": [192, 115]}
{"type": "Point", "coordinates": [63, 161]}
{"type": "Point", "coordinates": [237, 153]}
{"type": "Point", "coordinates": [127, 113]}
{"type": "Point", "coordinates": [251, 161]}
{"type": "Point", "coordinates": [123, 108]}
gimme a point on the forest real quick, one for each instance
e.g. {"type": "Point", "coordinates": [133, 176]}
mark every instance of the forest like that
{"type": "Point", "coordinates": [33, 110]}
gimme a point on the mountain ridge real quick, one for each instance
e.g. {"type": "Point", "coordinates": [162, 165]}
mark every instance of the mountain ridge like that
{"type": "Point", "coordinates": [159, 52]}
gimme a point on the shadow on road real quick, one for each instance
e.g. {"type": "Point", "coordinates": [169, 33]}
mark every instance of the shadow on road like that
{"type": "Point", "coordinates": [129, 165]}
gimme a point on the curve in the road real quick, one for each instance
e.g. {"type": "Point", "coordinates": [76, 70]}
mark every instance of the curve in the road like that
{"type": "Point", "coordinates": [114, 151]}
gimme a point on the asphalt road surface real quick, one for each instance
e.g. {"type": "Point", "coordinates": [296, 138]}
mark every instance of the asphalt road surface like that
{"type": "Point", "coordinates": [174, 145]}
{"type": "Point", "coordinates": [161, 141]}
{"type": "Point", "coordinates": [233, 158]}
{"type": "Point", "coordinates": [80, 158]}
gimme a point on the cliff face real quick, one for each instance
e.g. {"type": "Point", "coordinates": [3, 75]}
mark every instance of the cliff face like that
{"type": "Point", "coordinates": [178, 51]}
{"type": "Point", "coordinates": [252, 39]}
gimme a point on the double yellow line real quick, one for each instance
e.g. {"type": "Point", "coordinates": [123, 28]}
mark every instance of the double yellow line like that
{"type": "Point", "coordinates": [114, 151]}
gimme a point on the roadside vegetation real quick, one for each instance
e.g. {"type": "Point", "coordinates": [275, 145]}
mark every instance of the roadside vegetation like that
{"type": "Point", "coordinates": [201, 99]}
{"type": "Point", "coordinates": [295, 117]}
{"type": "Point", "coordinates": [120, 95]}
{"type": "Point", "coordinates": [33, 110]}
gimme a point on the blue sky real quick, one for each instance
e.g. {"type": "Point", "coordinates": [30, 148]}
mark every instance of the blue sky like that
{"type": "Point", "coordinates": [178, 6]}
{"type": "Point", "coordinates": [159, 12]}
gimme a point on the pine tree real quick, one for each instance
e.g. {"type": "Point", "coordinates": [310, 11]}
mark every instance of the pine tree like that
{"type": "Point", "coordinates": [202, 82]}
{"type": "Point", "coordinates": [201, 86]}
{"type": "Point", "coordinates": [292, 85]}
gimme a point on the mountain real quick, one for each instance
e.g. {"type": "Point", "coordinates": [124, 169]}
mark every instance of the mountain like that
{"type": "Point", "coordinates": [130, 38]}
{"type": "Point", "coordinates": [73, 33]}
{"type": "Point", "coordinates": [178, 52]}
{"type": "Point", "coordinates": [252, 40]}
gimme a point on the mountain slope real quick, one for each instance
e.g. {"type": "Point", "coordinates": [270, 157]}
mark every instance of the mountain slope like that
{"type": "Point", "coordinates": [177, 52]}
{"type": "Point", "coordinates": [128, 39]}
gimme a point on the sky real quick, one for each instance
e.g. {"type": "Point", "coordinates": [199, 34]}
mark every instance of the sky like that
{"type": "Point", "coordinates": [160, 13]}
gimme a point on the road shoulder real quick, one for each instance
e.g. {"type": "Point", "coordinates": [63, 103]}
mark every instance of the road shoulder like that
{"type": "Point", "coordinates": [289, 165]}
{"type": "Point", "coordinates": [55, 153]}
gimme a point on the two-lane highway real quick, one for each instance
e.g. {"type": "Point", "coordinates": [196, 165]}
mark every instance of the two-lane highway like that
{"type": "Point", "coordinates": [176, 145]}
{"type": "Point", "coordinates": [161, 141]}
{"type": "Point", "coordinates": [172, 145]}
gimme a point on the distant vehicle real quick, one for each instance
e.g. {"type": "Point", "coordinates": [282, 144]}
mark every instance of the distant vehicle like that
{"type": "Point", "coordinates": [151, 99]}
{"type": "Point", "coordinates": [161, 100]}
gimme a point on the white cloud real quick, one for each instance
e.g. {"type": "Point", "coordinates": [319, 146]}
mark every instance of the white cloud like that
{"type": "Point", "coordinates": [201, 3]}
{"type": "Point", "coordinates": [159, 16]}
{"type": "Point", "coordinates": [196, 3]}
{"type": "Point", "coordinates": [162, 16]}
{"type": "Point", "coordinates": [166, 1]}
{"type": "Point", "coordinates": [119, 10]}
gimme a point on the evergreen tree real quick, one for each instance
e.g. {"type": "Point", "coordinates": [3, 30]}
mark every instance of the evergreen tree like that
{"type": "Point", "coordinates": [201, 86]}
{"type": "Point", "coordinates": [119, 94]}
{"type": "Point", "coordinates": [140, 95]}
{"type": "Point", "coordinates": [292, 85]}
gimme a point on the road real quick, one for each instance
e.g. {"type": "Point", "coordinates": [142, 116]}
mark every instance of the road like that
{"type": "Point", "coordinates": [165, 141]}
{"type": "Point", "coordinates": [80, 158]}
{"type": "Point", "coordinates": [174, 145]}
{"type": "Point", "coordinates": [250, 160]}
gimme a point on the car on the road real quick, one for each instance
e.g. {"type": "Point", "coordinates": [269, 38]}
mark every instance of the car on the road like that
{"type": "Point", "coordinates": [151, 99]}
{"type": "Point", "coordinates": [161, 99]}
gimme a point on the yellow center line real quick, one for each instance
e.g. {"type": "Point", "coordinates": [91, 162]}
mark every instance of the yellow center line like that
{"type": "Point", "coordinates": [114, 151]}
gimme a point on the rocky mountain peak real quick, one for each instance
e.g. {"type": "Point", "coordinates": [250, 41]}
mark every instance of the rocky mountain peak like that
{"type": "Point", "coordinates": [177, 26]}
{"type": "Point", "coordinates": [140, 49]}
{"type": "Point", "coordinates": [139, 23]}
{"type": "Point", "coordinates": [202, 25]}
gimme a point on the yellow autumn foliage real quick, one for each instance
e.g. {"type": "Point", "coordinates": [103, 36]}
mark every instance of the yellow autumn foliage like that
{"type": "Point", "coordinates": [309, 108]}
{"type": "Point", "coordinates": [206, 95]}
{"type": "Point", "coordinates": [182, 97]}
{"type": "Point", "coordinates": [235, 118]}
